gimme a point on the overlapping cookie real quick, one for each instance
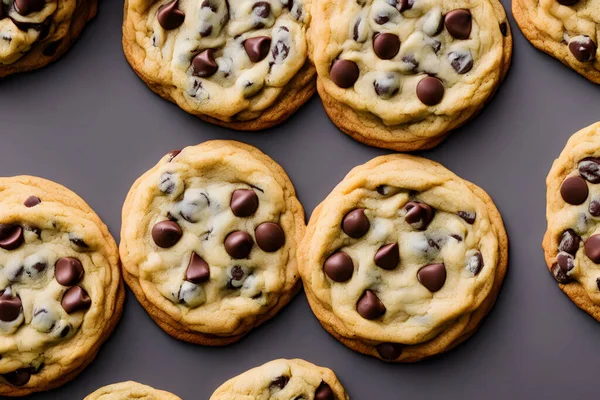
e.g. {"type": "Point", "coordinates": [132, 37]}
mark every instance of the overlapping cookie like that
{"type": "Point", "coordinates": [129, 391]}
{"type": "Point", "coordinates": [565, 29]}
{"type": "Point", "coordinates": [403, 259]}
{"type": "Point", "coordinates": [283, 380]}
{"type": "Point", "coordinates": [34, 33]}
{"type": "Point", "coordinates": [572, 241]}
{"type": "Point", "coordinates": [209, 239]}
{"type": "Point", "coordinates": [238, 63]}
{"type": "Point", "coordinates": [61, 293]}
{"type": "Point", "coordinates": [401, 74]}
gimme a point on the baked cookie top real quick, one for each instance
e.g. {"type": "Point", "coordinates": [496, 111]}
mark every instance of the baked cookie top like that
{"type": "Point", "coordinates": [399, 252]}
{"type": "Point", "coordinates": [572, 241]}
{"type": "Point", "coordinates": [209, 240]}
{"type": "Point", "coordinates": [215, 57]}
{"type": "Point", "coordinates": [60, 292]}
{"type": "Point", "coordinates": [566, 29]}
{"type": "Point", "coordinates": [130, 390]}
{"type": "Point", "coordinates": [283, 380]}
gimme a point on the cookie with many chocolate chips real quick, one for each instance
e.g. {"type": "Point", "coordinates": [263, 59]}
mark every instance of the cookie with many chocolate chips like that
{"type": "Point", "coordinates": [238, 63]}
{"type": "Point", "coordinates": [209, 241]}
{"type": "Point", "coordinates": [565, 29]}
{"type": "Point", "coordinates": [402, 74]}
{"type": "Point", "coordinates": [283, 380]}
{"type": "Point", "coordinates": [572, 241]}
{"type": "Point", "coordinates": [33, 33]}
{"type": "Point", "coordinates": [403, 259]}
{"type": "Point", "coordinates": [128, 391]}
{"type": "Point", "coordinates": [61, 293]}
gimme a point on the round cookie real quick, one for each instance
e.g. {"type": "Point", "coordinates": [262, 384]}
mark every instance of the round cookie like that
{"type": "Point", "coordinates": [241, 64]}
{"type": "Point", "coordinates": [209, 239]}
{"type": "Point", "coordinates": [130, 390]}
{"type": "Point", "coordinates": [283, 380]}
{"type": "Point", "coordinates": [34, 33]}
{"type": "Point", "coordinates": [402, 74]}
{"type": "Point", "coordinates": [572, 240]}
{"type": "Point", "coordinates": [403, 259]}
{"type": "Point", "coordinates": [61, 293]}
{"type": "Point", "coordinates": [565, 29]}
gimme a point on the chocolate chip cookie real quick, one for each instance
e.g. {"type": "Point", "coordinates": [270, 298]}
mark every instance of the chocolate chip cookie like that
{"type": "Point", "coordinates": [128, 391]}
{"type": "Point", "coordinates": [209, 239]}
{"type": "Point", "coordinates": [61, 292]}
{"type": "Point", "coordinates": [238, 63]}
{"type": "Point", "coordinates": [283, 380]}
{"type": "Point", "coordinates": [572, 241]}
{"type": "Point", "coordinates": [403, 259]}
{"type": "Point", "coordinates": [33, 33]}
{"type": "Point", "coordinates": [400, 74]}
{"type": "Point", "coordinates": [565, 29]}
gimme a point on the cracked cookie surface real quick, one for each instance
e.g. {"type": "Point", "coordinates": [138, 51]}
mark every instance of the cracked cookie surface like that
{"type": "Point", "coordinates": [130, 390]}
{"type": "Point", "coordinates": [60, 289]}
{"type": "Point", "coordinates": [208, 241]}
{"type": "Point", "coordinates": [402, 74]}
{"type": "Point", "coordinates": [403, 259]}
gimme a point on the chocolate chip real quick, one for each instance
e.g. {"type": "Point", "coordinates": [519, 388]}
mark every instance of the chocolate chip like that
{"type": "Point", "coordinates": [238, 244]}
{"type": "Point", "coordinates": [280, 382]}
{"type": "Point", "coordinates": [169, 16]}
{"type": "Point", "coordinates": [559, 274]}
{"type": "Point", "coordinates": [166, 234]}
{"type": "Point", "coordinates": [10, 307]}
{"type": "Point", "coordinates": [569, 242]}
{"type": "Point", "coordinates": [388, 256]}
{"type": "Point", "coordinates": [79, 242]}
{"type": "Point", "coordinates": [592, 248]}
{"type": "Point", "coordinates": [567, 2]}
{"type": "Point", "coordinates": [209, 4]}
{"type": "Point", "coordinates": [39, 266]}
{"type": "Point", "coordinates": [262, 9]}
{"type": "Point", "coordinates": [589, 169]}
{"type": "Point", "coordinates": [369, 306]}
{"type": "Point", "coordinates": [237, 277]}
{"type": "Point", "coordinates": [355, 223]}
{"type": "Point", "coordinates": [469, 217]}
{"type": "Point", "coordinates": [458, 23]}
{"type": "Point", "coordinates": [355, 30]}
{"type": "Point", "coordinates": [461, 61]}
{"type": "Point", "coordinates": [50, 50]}
{"type": "Point", "coordinates": [344, 73]}
{"type": "Point", "coordinates": [324, 392]}
{"type": "Point", "coordinates": [583, 48]}
{"type": "Point", "coordinates": [594, 208]}
{"type": "Point", "coordinates": [411, 63]}
{"type": "Point", "coordinates": [458, 238]}
{"type": "Point", "coordinates": [389, 351]}
{"type": "Point", "coordinates": [404, 5]}
{"type": "Point", "coordinates": [381, 19]}
{"type": "Point", "coordinates": [565, 261]}
{"type": "Point", "coordinates": [280, 51]}
{"type": "Point", "coordinates": [206, 30]}
{"type": "Point", "coordinates": [26, 7]}
{"type": "Point", "coordinates": [598, 283]}
{"type": "Point", "coordinates": [197, 270]}
{"type": "Point", "coordinates": [339, 267]}
{"type": "Point", "coordinates": [172, 154]}
{"type": "Point", "coordinates": [432, 276]}
{"type": "Point", "coordinates": [68, 271]}
{"type": "Point", "coordinates": [475, 263]}
{"type": "Point", "coordinates": [269, 237]}
{"type": "Point", "coordinates": [243, 203]}
{"type": "Point", "coordinates": [430, 90]}
{"type": "Point", "coordinates": [204, 64]}
{"type": "Point", "coordinates": [75, 299]}
{"type": "Point", "coordinates": [257, 47]}
{"type": "Point", "coordinates": [32, 201]}
{"type": "Point", "coordinates": [574, 190]}
{"type": "Point", "coordinates": [11, 236]}
{"type": "Point", "coordinates": [19, 377]}
{"type": "Point", "coordinates": [504, 28]}
{"type": "Point", "coordinates": [386, 87]}
{"type": "Point", "coordinates": [386, 45]}
{"type": "Point", "coordinates": [418, 215]}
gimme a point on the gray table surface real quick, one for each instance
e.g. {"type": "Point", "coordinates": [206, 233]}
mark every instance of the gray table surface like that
{"type": "Point", "coordinates": [90, 124]}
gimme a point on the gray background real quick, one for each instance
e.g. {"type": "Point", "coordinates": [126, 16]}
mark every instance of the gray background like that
{"type": "Point", "coordinates": [89, 123]}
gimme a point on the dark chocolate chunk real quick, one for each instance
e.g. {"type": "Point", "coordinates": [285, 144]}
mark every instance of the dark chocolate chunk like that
{"type": "Point", "coordinates": [19, 377]}
{"type": "Point", "coordinates": [592, 248]}
{"type": "Point", "coordinates": [418, 215]}
{"type": "Point", "coordinates": [169, 16]}
{"type": "Point", "coordinates": [569, 242]}
{"type": "Point", "coordinates": [469, 217]}
{"type": "Point", "coordinates": [204, 64]}
{"type": "Point", "coordinates": [198, 270]}
{"type": "Point", "coordinates": [257, 47]}
{"type": "Point", "coordinates": [75, 299]}
{"type": "Point", "coordinates": [10, 307]}
{"type": "Point", "coordinates": [11, 236]}
{"type": "Point", "coordinates": [565, 261]}
{"type": "Point", "coordinates": [324, 392]}
{"type": "Point", "coordinates": [583, 48]}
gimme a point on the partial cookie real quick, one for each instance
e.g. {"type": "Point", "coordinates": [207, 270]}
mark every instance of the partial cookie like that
{"type": "Point", "coordinates": [34, 33]}
{"type": "Point", "coordinates": [402, 74]}
{"type": "Point", "coordinates": [209, 241]}
{"type": "Point", "coordinates": [61, 293]}
{"type": "Point", "coordinates": [130, 390]}
{"type": "Point", "coordinates": [283, 380]}
{"type": "Point", "coordinates": [238, 63]}
{"type": "Point", "coordinates": [403, 259]}
{"type": "Point", "coordinates": [572, 241]}
{"type": "Point", "coordinates": [565, 29]}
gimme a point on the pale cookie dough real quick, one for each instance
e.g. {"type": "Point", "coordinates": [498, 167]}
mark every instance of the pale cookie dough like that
{"type": "Point", "coordinates": [129, 391]}
{"type": "Point", "coordinates": [403, 259]}
{"type": "Point", "coordinates": [400, 74]}
{"type": "Point", "coordinates": [240, 63]}
{"type": "Point", "coordinates": [33, 33]}
{"type": "Point", "coordinates": [283, 380]}
{"type": "Point", "coordinates": [566, 29]}
{"type": "Point", "coordinates": [209, 241]}
{"type": "Point", "coordinates": [572, 241]}
{"type": "Point", "coordinates": [61, 292]}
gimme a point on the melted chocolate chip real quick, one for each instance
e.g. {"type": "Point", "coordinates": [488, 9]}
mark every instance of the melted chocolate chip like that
{"type": "Point", "coordinates": [404, 5]}
{"type": "Point", "coordinates": [569, 242]}
{"type": "Point", "coordinates": [166, 234]}
{"type": "Point", "coordinates": [169, 16]}
{"type": "Point", "coordinates": [262, 9]}
{"type": "Point", "coordinates": [198, 270]}
{"type": "Point", "coordinates": [19, 377]}
{"type": "Point", "coordinates": [461, 61]}
{"type": "Point", "coordinates": [238, 244]}
{"type": "Point", "coordinates": [583, 48]}
{"type": "Point", "coordinates": [26, 7]}
{"type": "Point", "coordinates": [430, 90]}
{"type": "Point", "coordinates": [344, 73]}
{"type": "Point", "coordinates": [339, 267]}
{"type": "Point", "coordinates": [324, 392]}
{"type": "Point", "coordinates": [257, 47]}
{"type": "Point", "coordinates": [386, 45]}
{"type": "Point", "coordinates": [458, 23]}
{"type": "Point", "coordinates": [237, 277]}
{"type": "Point", "coordinates": [269, 237]}
{"type": "Point", "coordinates": [355, 223]}
{"type": "Point", "coordinates": [243, 203]}
{"type": "Point", "coordinates": [10, 307]}
{"type": "Point", "coordinates": [469, 217]}
{"type": "Point", "coordinates": [381, 19]}
{"type": "Point", "coordinates": [369, 306]}
{"type": "Point", "coordinates": [11, 236]}
{"type": "Point", "coordinates": [589, 169]}
{"type": "Point", "coordinates": [592, 248]}
{"type": "Point", "coordinates": [418, 215]}
{"type": "Point", "coordinates": [504, 28]}
{"type": "Point", "coordinates": [78, 242]}
{"type": "Point", "coordinates": [76, 299]}
{"type": "Point", "coordinates": [594, 208]}
{"type": "Point", "coordinates": [574, 190]}
{"type": "Point", "coordinates": [475, 263]}
{"type": "Point", "coordinates": [559, 274]}
{"type": "Point", "coordinates": [565, 261]}
{"type": "Point", "coordinates": [432, 276]}
{"type": "Point", "coordinates": [389, 351]}
{"type": "Point", "coordinates": [386, 88]}
{"type": "Point", "coordinates": [204, 64]}
{"type": "Point", "coordinates": [280, 382]}
{"type": "Point", "coordinates": [32, 201]}
{"type": "Point", "coordinates": [68, 271]}
{"type": "Point", "coordinates": [388, 256]}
